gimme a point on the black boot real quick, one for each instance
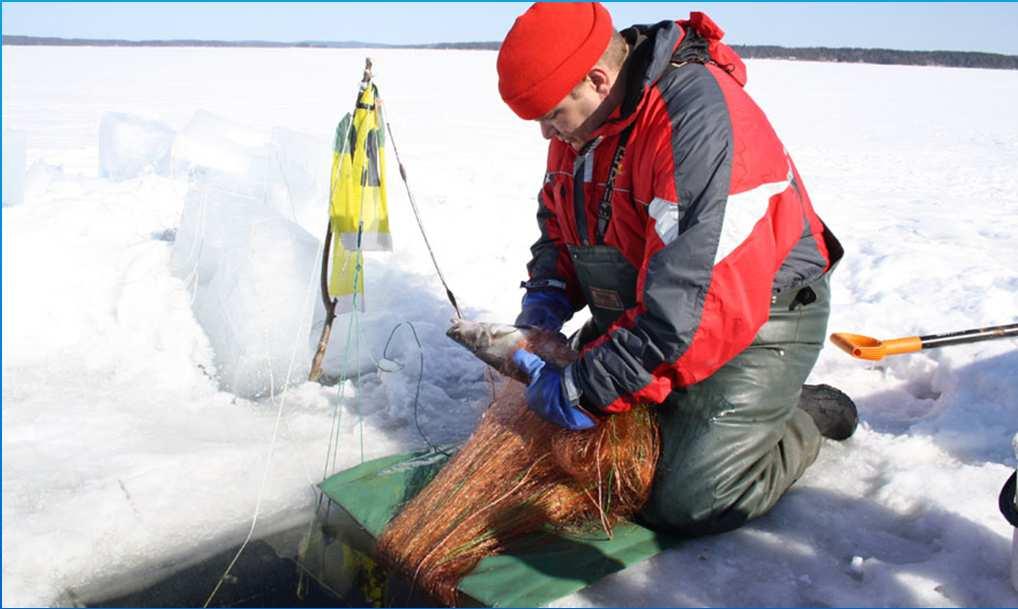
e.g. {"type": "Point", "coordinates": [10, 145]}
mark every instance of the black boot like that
{"type": "Point", "coordinates": [833, 412]}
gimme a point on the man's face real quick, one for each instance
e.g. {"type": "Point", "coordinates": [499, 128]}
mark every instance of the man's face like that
{"type": "Point", "coordinates": [572, 120]}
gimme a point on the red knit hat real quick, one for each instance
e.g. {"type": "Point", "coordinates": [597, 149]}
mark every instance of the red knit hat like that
{"type": "Point", "coordinates": [548, 51]}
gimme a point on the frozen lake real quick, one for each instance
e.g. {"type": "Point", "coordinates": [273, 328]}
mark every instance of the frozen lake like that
{"type": "Point", "coordinates": [124, 445]}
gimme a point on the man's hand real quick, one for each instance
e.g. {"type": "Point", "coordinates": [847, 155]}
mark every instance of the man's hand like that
{"type": "Point", "coordinates": [546, 395]}
{"type": "Point", "coordinates": [545, 309]}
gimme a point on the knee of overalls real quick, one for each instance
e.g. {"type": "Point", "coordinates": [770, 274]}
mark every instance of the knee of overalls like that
{"type": "Point", "coordinates": [709, 453]}
{"type": "Point", "coordinates": [732, 444]}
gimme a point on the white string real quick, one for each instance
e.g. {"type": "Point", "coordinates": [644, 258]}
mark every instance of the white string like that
{"type": "Point", "coordinates": [192, 278]}
{"type": "Point", "coordinates": [309, 296]}
{"type": "Point", "coordinates": [304, 322]}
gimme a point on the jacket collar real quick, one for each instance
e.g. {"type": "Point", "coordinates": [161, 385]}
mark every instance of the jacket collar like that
{"type": "Point", "coordinates": [651, 50]}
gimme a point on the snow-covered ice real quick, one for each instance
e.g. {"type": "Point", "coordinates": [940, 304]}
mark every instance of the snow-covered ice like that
{"type": "Point", "coordinates": [13, 167]}
{"type": "Point", "coordinates": [151, 324]}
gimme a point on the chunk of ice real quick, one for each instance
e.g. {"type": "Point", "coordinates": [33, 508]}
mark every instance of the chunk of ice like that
{"type": "Point", "coordinates": [254, 277]}
{"type": "Point", "coordinates": [211, 145]}
{"type": "Point", "coordinates": [40, 176]}
{"type": "Point", "coordinates": [218, 143]}
{"type": "Point", "coordinates": [218, 210]}
{"type": "Point", "coordinates": [130, 146]}
{"type": "Point", "coordinates": [305, 162]}
{"type": "Point", "coordinates": [256, 308]}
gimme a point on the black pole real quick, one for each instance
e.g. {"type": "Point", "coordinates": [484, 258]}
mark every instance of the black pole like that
{"type": "Point", "coordinates": [969, 336]}
{"type": "Point", "coordinates": [1008, 507]}
{"type": "Point", "coordinates": [330, 311]}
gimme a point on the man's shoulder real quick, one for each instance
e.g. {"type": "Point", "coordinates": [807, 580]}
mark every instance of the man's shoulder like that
{"type": "Point", "coordinates": [686, 82]}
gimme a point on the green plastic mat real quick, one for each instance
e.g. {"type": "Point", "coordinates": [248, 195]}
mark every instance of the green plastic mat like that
{"type": "Point", "coordinates": [550, 567]}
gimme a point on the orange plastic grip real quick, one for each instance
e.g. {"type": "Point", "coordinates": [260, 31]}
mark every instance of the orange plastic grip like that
{"type": "Point", "coordinates": [907, 344]}
{"type": "Point", "coordinates": [864, 347]}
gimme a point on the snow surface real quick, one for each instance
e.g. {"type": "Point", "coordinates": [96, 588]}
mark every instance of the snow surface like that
{"type": "Point", "coordinates": [13, 167]}
{"type": "Point", "coordinates": [137, 416]}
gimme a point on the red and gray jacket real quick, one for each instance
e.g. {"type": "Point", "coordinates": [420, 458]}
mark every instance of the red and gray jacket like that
{"type": "Point", "coordinates": [707, 206]}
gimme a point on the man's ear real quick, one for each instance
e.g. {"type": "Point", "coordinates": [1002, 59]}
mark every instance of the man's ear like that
{"type": "Point", "coordinates": [601, 80]}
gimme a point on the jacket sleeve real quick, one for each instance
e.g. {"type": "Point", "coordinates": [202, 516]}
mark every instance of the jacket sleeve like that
{"type": "Point", "coordinates": [550, 266]}
{"type": "Point", "coordinates": [704, 285]}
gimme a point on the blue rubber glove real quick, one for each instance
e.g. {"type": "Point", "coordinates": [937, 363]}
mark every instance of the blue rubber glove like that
{"type": "Point", "coordinates": [546, 309]}
{"type": "Point", "coordinates": [545, 394]}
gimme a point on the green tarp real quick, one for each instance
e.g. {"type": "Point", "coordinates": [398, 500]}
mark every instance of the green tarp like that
{"type": "Point", "coordinates": [549, 568]}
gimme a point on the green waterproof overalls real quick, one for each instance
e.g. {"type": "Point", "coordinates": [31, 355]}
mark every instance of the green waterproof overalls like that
{"type": "Point", "coordinates": [734, 442]}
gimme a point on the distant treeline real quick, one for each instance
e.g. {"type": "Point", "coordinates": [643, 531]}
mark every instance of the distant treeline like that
{"type": "Point", "coordinates": [113, 42]}
{"type": "Point", "coordinates": [953, 59]}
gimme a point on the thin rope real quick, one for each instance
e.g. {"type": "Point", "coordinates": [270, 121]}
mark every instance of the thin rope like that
{"type": "Point", "coordinates": [192, 279]}
{"type": "Point", "coordinates": [488, 374]}
{"type": "Point", "coordinates": [258, 505]}
{"type": "Point", "coordinates": [420, 225]}
{"type": "Point", "coordinates": [261, 488]}
{"type": "Point", "coordinates": [305, 321]}
{"type": "Point", "coordinates": [338, 412]}
{"type": "Point", "coordinates": [357, 358]}
{"type": "Point", "coordinates": [420, 379]}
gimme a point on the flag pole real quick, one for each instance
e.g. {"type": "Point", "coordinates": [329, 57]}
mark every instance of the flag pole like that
{"type": "Point", "coordinates": [330, 303]}
{"type": "Point", "coordinates": [330, 311]}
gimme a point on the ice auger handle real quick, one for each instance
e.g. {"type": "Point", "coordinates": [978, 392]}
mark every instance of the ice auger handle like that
{"type": "Point", "coordinates": [872, 349]}
{"type": "Point", "coordinates": [865, 347]}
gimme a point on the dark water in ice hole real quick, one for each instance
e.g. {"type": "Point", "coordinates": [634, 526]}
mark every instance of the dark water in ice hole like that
{"type": "Point", "coordinates": [262, 577]}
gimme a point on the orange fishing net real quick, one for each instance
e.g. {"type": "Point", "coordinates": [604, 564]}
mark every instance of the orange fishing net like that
{"type": "Point", "coordinates": [516, 475]}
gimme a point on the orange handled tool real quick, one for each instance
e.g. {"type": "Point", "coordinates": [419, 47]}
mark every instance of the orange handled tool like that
{"type": "Point", "coordinates": [864, 347]}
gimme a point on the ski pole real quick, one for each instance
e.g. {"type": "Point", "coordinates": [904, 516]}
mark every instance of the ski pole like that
{"type": "Point", "coordinates": [865, 347]}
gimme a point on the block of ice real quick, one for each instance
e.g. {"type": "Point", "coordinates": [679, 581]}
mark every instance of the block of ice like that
{"type": "Point", "coordinates": [13, 167]}
{"type": "Point", "coordinates": [218, 143]}
{"type": "Point", "coordinates": [305, 162]}
{"type": "Point", "coordinates": [214, 145]}
{"type": "Point", "coordinates": [130, 145]}
{"type": "Point", "coordinates": [256, 308]}
{"type": "Point", "coordinates": [218, 209]}
{"type": "Point", "coordinates": [254, 277]}
{"type": "Point", "coordinates": [40, 176]}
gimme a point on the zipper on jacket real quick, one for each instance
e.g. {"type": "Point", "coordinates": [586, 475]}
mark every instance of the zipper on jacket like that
{"type": "Point", "coordinates": [584, 159]}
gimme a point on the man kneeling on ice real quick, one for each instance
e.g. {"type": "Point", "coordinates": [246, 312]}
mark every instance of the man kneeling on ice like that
{"type": "Point", "coordinates": [671, 209]}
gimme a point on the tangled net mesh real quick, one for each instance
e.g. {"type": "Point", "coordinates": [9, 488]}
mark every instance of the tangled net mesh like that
{"type": "Point", "coordinates": [517, 475]}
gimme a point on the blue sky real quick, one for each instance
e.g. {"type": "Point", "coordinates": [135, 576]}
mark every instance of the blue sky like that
{"type": "Point", "coordinates": [990, 27]}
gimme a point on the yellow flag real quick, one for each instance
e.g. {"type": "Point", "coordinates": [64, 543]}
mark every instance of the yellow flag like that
{"type": "Point", "coordinates": [346, 280]}
{"type": "Point", "coordinates": [357, 206]}
{"type": "Point", "coordinates": [360, 217]}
